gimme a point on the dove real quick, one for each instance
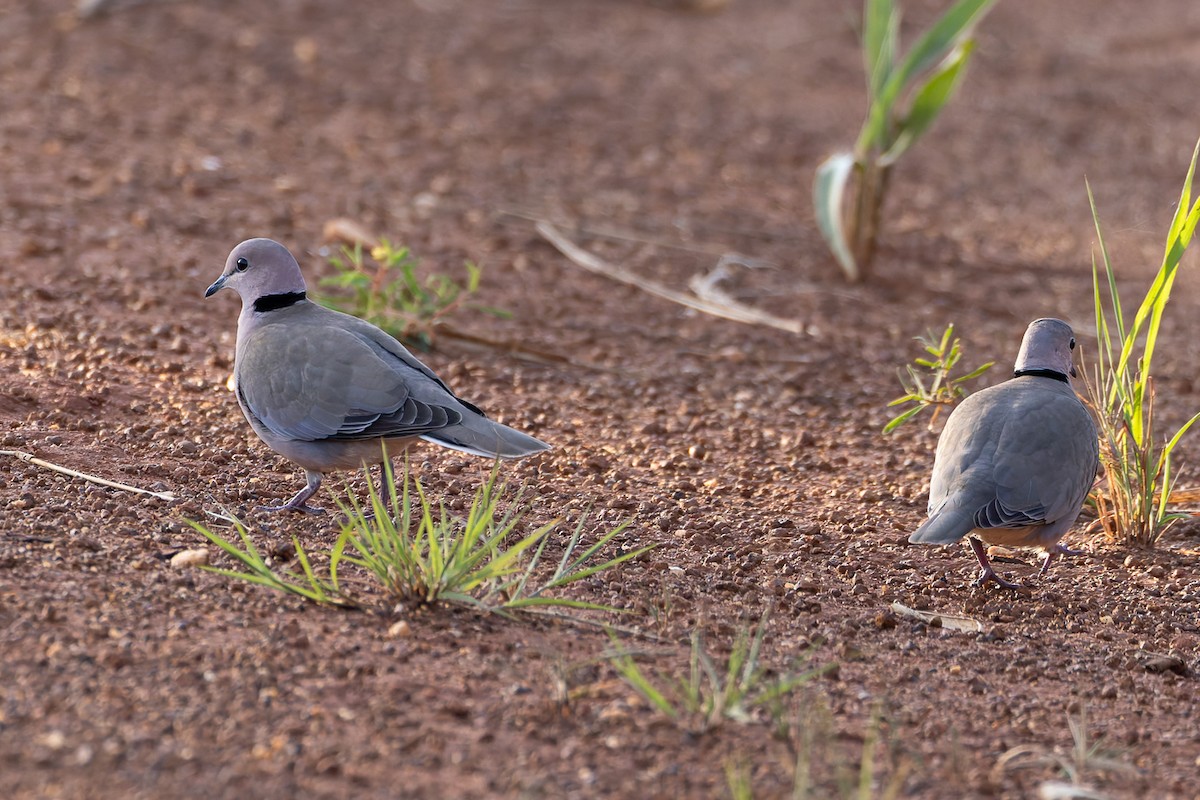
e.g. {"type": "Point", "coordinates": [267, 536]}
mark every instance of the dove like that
{"type": "Point", "coordinates": [329, 391]}
{"type": "Point", "coordinates": [1016, 460]}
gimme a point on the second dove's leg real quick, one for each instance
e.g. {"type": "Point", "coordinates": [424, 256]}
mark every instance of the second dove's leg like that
{"type": "Point", "coordinates": [1053, 552]}
{"type": "Point", "coordinates": [385, 489]}
{"type": "Point", "coordinates": [300, 501]}
{"type": "Point", "coordinates": [385, 495]}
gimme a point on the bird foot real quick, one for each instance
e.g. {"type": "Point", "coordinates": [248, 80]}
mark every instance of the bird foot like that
{"type": "Point", "coordinates": [1054, 552]}
{"type": "Point", "coordinates": [986, 572]}
{"type": "Point", "coordinates": [989, 574]}
{"type": "Point", "coordinates": [299, 501]}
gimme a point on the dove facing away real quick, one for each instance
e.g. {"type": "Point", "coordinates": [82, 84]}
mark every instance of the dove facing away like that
{"type": "Point", "coordinates": [327, 390]}
{"type": "Point", "coordinates": [1016, 460]}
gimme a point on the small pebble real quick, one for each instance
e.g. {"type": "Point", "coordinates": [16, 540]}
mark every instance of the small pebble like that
{"type": "Point", "coordinates": [189, 558]}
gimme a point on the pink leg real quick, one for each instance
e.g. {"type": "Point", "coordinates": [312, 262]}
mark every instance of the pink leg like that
{"type": "Point", "coordinates": [385, 493]}
{"type": "Point", "coordinates": [1052, 552]}
{"type": "Point", "coordinates": [988, 574]}
{"type": "Point", "coordinates": [299, 501]}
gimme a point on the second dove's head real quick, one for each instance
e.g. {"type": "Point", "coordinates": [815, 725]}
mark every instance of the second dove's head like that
{"type": "Point", "coordinates": [1049, 344]}
{"type": "Point", "coordinates": [259, 268]}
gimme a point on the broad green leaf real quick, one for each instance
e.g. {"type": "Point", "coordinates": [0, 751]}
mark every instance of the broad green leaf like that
{"type": "Point", "coordinates": [1160, 290]}
{"type": "Point", "coordinates": [829, 191]}
{"type": "Point", "coordinates": [933, 46]}
{"type": "Point", "coordinates": [942, 37]}
{"type": "Point", "coordinates": [881, 24]}
{"type": "Point", "coordinates": [929, 101]}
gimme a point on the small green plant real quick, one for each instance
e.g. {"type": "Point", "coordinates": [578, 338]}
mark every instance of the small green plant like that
{"type": "Point", "coordinates": [427, 557]}
{"type": "Point", "coordinates": [824, 768]}
{"type": "Point", "coordinates": [1086, 758]}
{"type": "Point", "coordinates": [383, 287]}
{"type": "Point", "coordinates": [942, 389]}
{"type": "Point", "coordinates": [1137, 462]}
{"type": "Point", "coordinates": [739, 778]}
{"type": "Point", "coordinates": [904, 95]}
{"type": "Point", "coordinates": [707, 696]}
{"type": "Point", "coordinates": [814, 758]}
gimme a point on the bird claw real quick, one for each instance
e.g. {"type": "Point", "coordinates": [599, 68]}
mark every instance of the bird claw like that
{"type": "Point", "coordinates": [1053, 553]}
{"type": "Point", "coordinates": [989, 574]}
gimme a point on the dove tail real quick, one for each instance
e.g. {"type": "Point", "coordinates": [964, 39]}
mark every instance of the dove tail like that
{"type": "Point", "coordinates": [944, 526]}
{"type": "Point", "coordinates": [481, 436]}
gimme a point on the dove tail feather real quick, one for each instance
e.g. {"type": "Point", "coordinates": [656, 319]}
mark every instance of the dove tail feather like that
{"type": "Point", "coordinates": [481, 436]}
{"type": "Point", "coordinates": [944, 526]}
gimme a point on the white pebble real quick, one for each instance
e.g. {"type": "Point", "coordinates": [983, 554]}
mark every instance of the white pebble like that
{"type": "Point", "coordinates": [190, 558]}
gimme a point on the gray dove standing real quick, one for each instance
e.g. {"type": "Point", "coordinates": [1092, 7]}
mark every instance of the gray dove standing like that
{"type": "Point", "coordinates": [1015, 461]}
{"type": "Point", "coordinates": [326, 390]}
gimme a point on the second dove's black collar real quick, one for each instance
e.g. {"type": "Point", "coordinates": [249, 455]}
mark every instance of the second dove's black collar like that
{"type": "Point", "coordinates": [274, 302]}
{"type": "Point", "coordinates": [1038, 373]}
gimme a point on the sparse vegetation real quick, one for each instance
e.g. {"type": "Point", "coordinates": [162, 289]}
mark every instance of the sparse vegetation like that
{"type": "Point", "coordinates": [904, 96]}
{"type": "Point", "coordinates": [1087, 759]}
{"type": "Point", "coordinates": [423, 556]}
{"type": "Point", "coordinates": [384, 288]}
{"type": "Point", "coordinates": [821, 772]}
{"type": "Point", "coordinates": [707, 696]}
{"type": "Point", "coordinates": [822, 769]}
{"type": "Point", "coordinates": [942, 388]}
{"type": "Point", "coordinates": [1134, 506]}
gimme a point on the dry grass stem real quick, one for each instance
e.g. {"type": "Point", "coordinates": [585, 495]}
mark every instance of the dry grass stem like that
{"type": "Point", "coordinates": [32, 459]}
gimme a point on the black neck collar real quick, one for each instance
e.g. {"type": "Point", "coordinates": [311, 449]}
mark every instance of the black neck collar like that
{"type": "Point", "coordinates": [1043, 373]}
{"type": "Point", "coordinates": [274, 302]}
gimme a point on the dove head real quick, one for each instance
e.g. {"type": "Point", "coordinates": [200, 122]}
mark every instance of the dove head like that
{"type": "Point", "coordinates": [1047, 350]}
{"type": "Point", "coordinates": [261, 271]}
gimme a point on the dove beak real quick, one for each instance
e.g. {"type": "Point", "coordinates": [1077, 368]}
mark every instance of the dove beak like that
{"type": "Point", "coordinates": [219, 283]}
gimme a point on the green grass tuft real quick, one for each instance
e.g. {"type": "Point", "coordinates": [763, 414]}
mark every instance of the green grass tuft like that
{"type": "Point", "coordinates": [708, 695]}
{"type": "Point", "coordinates": [1134, 508]}
{"type": "Point", "coordinates": [383, 287]}
{"type": "Point", "coordinates": [426, 555]}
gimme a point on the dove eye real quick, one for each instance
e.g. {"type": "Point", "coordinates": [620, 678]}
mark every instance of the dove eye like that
{"type": "Point", "coordinates": [1072, 343]}
{"type": "Point", "coordinates": [242, 265]}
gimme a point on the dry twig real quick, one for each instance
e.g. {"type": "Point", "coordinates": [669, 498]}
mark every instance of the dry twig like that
{"type": "Point", "coordinates": [32, 459]}
{"type": "Point", "coordinates": [727, 309]}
